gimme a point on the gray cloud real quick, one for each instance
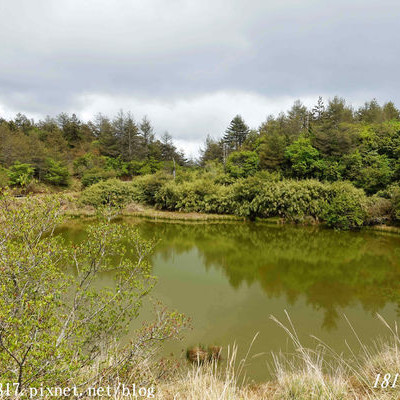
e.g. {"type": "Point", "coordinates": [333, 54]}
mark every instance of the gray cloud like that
{"type": "Point", "coordinates": [174, 55]}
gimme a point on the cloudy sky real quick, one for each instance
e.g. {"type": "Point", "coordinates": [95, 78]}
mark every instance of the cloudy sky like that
{"type": "Point", "coordinates": [192, 65]}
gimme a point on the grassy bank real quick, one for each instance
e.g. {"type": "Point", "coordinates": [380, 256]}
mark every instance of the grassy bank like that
{"type": "Point", "coordinates": [307, 374]}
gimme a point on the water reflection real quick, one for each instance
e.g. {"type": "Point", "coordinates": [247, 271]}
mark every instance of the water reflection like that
{"type": "Point", "coordinates": [331, 269]}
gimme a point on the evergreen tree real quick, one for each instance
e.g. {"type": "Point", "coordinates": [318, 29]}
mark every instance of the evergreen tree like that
{"type": "Point", "coordinates": [147, 131]}
{"type": "Point", "coordinates": [147, 134]}
{"type": "Point", "coordinates": [390, 111]}
{"type": "Point", "coordinates": [236, 133]}
{"type": "Point", "coordinates": [168, 149]}
{"type": "Point", "coordinates": [297, 120]}
{"type": "Point", "coordinates": [71, 128]}
{"type": "Point", "coordinates": [318, 110]}
{"type": "Point", "coordinates": [104, 131]}
{"type": "Point", "coordinates": [213, 151]}
{"type": "Point", "coordinates": [130, 141]}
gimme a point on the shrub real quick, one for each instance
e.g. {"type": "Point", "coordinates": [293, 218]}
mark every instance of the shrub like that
{"type": "Point", "coordinates": [84, 163]}
{"type": "Point", "coordinates": [346, 209]}
{"type": "Point", "coordinates": [378, 209]}
{"type": "Point", "coordinates": [21, 174]}
{"type": "Point", "coordinates": [147, 187]}
{"type": "Point", "coordinates": [95, 175]}
{"type": "Point", "coordinates": [241, 164]}
{"type": "Point", "coordinates": [392, 193]}
{"type": "Point", "coordinates": [111, 192]}
{"type": "Point", "coordinates": [55, 173]}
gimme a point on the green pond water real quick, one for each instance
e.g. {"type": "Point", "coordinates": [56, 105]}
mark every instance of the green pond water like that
{"type": "Point", "coordinates": [230, 277]}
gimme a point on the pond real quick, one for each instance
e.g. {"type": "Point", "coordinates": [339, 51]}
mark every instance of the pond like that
{"type": "Point", "coordinates": [230, 277]}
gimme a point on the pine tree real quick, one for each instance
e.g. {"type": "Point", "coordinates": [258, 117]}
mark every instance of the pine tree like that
{"type": "Point", "coordinates": [235, 134]}
{"type": "Point", "coordinates": [318, 110]}
{"type": "Point", "coordinates": [105, 133]}
{"type": "Point", "coordinates": [130, 140]}
{"type": "Point", "coordinates": [147, 131]}
{"type": "Point", "coordinates": [147, 134]}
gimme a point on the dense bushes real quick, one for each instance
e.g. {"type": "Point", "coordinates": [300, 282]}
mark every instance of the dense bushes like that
{"type": "Point", "coordinates": [346, 208]}
{"type": "Point", "coordinates": [339, 204]}
{"type": "Point", "coordinates": [111, 192]}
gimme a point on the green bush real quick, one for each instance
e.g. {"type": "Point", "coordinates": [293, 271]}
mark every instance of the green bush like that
{"type": "Point", "coordinates": [392, 194]}
{"type": "Point", "coordinates": [147, 187]}
{"type": "Point", "coordinates": [21, 174]}
{"type": "Point", "coordinates": [379, 210]}
{"type": "Point", "coordinates": [185, 196]}
{"type": "Point", "coordinates": [111, 192]}
{"type": "Point", "coordinates": [346, 209]}
{"type": "Point", "coordinates": [84, 163]}
{"type": "Point", "coordinates": [55, 173]}
{"type": "Point", "coordinates": [95, 175]}
{"type": "Point", "coordinates": [241, 164]}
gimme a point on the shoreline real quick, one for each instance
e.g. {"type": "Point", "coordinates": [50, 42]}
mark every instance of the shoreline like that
{"type": "Point", "coordinates": [136, 210]}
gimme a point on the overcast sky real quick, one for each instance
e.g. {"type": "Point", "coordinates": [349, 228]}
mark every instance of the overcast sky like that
{"type": "Point", "coordinates": [192, 65]}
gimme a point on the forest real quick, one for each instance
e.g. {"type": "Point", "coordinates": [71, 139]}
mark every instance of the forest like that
{"type": "Point", "coordinates": [330, 162]}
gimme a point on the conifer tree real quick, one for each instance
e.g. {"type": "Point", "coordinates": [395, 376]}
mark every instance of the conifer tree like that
{"type": "Point", "coordinates": [236, 133]}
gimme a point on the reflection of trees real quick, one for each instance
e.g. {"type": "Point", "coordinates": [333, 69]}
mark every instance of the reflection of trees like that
{"type": "Point", "coordinates": [332, 269]}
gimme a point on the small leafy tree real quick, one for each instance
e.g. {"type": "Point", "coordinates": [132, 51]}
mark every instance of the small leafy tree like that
{"type": "Point", "coordinates": [304, 159]}
{"type": "Point", "coordinates": [241, 164]}
{"type": "Point", "coordinates": [56, 321]}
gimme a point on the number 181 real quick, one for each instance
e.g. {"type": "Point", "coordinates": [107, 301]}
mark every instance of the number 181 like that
{"type": "Point", "coordinates": [386, 381]}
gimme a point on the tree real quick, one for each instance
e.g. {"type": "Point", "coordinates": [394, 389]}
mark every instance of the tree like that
{"type": "Point", "coordinates": [370, 112]}
{"type": "Point", "coordinates": [168, 149]}
{"type": "Point", "coordinates": [336, 141]}
{"type": "Point", "coordinates": [213, 151]}
{"type": "Point", "coordinates": [55, 173]}
{"type": "Point", "coordinates": [303, 158]}
{"type": "Point", "coordinates": [130, 141]}
{"type": "Point", "coordinates": [147, 131]}
{"type": "Point", "coordinates": [104, 132]}
{"type": "Point", "coordinates": [272, 151]}
{"type": "Point", "coordinates": [241, 164]}
{"type": "Point", "coordinates": [390, 111]}
{"type": "Point", "coordinates": [297, 120]}
{"type": "Point", "coordinates": [236, 133]}
{"type": "Point", "coordinates": [22, 123]}
{"type": "Point", "coordinates": [21, 174]}
{"type": "Point", "coordinates": [71, 128]}
{"type": "Point", "coordinates": [57, 328]}
{"type": "Point", "coordinates": [337, 111]}
{"type": "Point", "coordinates": [318, 110]}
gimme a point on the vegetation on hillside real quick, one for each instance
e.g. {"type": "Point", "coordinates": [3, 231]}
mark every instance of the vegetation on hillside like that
{"type": "Point", "coordinates": [330, 163]}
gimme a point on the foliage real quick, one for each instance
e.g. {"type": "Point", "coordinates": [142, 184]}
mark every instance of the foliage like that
{"type": "Point", "coordinates": [392, 194]}
{"type": "Point", "coordinates": [95, 175]}
{"type": "Point", "coordinates": [55, 173]}
{"type": "Point", "coordinates": [241, 164]}
{"type": "Point", "coordinates": [57, 322]}
{"type": "Point", "coordinates": [21, 174]}
{"type": "Point", "coordinates": [236, 133]}
{"type": "Point", "coordinates": [346, 208]}
{"type": "Point", "coordinates": [303, 158]}
{"type": "Point", "coordinates": [111, 192]}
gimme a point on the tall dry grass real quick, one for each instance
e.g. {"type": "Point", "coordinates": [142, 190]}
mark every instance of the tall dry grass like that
{"type": "Point", "coordinates": [307, 374]}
